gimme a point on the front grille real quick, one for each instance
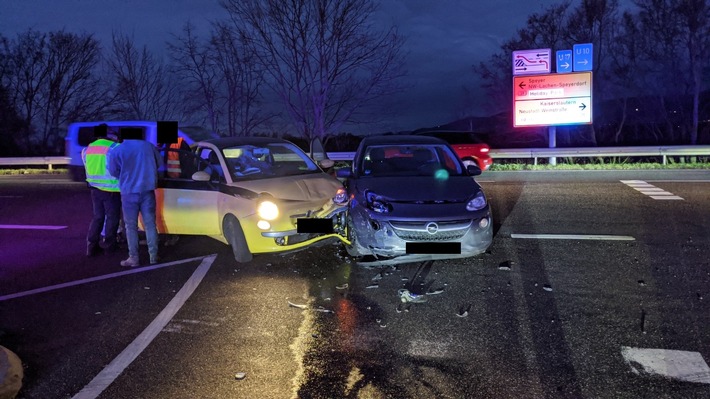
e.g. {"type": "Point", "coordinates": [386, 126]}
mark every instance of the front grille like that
{"type": "Point", "coordinates": [448, 230]}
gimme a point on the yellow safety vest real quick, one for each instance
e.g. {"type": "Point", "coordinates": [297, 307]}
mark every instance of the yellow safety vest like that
{"type": "Point", "coordinates": [95, 163]}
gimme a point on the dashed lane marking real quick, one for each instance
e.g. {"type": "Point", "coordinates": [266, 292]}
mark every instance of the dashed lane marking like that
{"type": "Point", "coordinates": [651, 190]}
{"type": "Point", "coordinates": [674, 364]}
{"type": "Point", "coordinates": [29, 227]}
{"type": "Point", "coordinates": [109, 374]}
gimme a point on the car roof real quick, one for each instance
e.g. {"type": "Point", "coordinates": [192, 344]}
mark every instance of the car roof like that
{"type": "Point", "coordinates": [244, 140]}
{"type": "Point", "coordinates": [400, 139]}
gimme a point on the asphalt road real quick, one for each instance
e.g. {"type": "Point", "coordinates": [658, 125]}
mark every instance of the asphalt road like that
{"type": "Point", "coordinates": [597, 285]}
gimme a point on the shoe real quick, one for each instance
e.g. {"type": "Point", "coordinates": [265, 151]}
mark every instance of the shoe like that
{"type": "Point", "coordinates": [130, 262]}
{"type": "Point", "coordinates": [93, 250]}
{"type": "Point", "coordinates": [154, 260]}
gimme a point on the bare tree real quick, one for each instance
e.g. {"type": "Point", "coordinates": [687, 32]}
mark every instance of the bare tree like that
{"type": "Point", "coordinates": [144, 88]}
{"type": "Point", "coordinates": [324, 58]}
{"type": "Point", "coordinates": [694, 17]}
{"type": "Point", "coordinates": [52, 81]}
{"type": "Point", "coordinates": [194, 65]}
{"type": "Point", "coordinates": [73, 90]}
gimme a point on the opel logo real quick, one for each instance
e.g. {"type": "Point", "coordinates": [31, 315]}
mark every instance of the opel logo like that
{"type": "Point", "coordinates": [432, 228]}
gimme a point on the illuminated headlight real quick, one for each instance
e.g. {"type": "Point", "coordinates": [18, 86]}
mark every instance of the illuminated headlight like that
{"type": "Point", "coordinates": [377, 203]}
{"type": "Point", "coordinates": [341, 196]}
{"type": "Point", "coordinates": [478, 202]}
{"type": "Point", "coordinates": [267, 210]}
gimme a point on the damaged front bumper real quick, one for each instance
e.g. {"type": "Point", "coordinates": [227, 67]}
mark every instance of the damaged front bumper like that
{"type": "Point", "coordinates": [388, 238]}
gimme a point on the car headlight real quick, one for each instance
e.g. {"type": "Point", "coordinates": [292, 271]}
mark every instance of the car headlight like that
{"type": "Point", "coordinates": [377, 203]}
{"type": "Point", "coordinates": [478, 202]}
{"type": "Point", "coordinates": [341, 196]}
{"type": "Point", "coordinates": [267, 210]}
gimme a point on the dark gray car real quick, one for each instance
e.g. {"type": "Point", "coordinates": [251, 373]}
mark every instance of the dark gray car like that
{"type": "Point", "coordinates": [411, 195]}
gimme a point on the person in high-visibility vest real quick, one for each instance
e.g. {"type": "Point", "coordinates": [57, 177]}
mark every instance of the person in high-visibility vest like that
{"type": "Point", "coordinates": [173, 161]}
{"type": "Point", "coordinates": [105, 193]}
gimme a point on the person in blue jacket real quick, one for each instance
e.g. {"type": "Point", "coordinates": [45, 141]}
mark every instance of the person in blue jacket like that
{"type": "Point", "coordinates": [135, 163]}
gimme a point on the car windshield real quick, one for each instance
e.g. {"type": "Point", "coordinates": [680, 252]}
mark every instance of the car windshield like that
{"type": "Point", "coordinates": [409, 160]}
{"type": "Point", "coordinates": [247, 162]}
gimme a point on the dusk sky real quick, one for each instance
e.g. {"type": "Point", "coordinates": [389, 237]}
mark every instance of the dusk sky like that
{"type": "Point", "coordinates": [444, 38]}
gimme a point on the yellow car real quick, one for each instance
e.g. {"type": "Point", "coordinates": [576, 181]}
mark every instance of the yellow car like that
{"type": "Point", "coordinates": [257, 194]}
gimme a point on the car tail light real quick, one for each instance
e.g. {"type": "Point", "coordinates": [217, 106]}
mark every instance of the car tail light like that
{"type": "Point", "coordinates": [485, 149]}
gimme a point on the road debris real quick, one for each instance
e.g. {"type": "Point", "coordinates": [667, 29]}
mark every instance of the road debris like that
{"type": "Point", "coordinates": [373, 286]}
{"type": "Point", "coordinates": [463, 311]}
{"type": "Point", "coordinates": [240, 376]}
{"type": "Point", "coordinates": [547, 287]}
{"type": "Point", "coordinates": [342, 286]}
{"type": "Point", "coordinates": [406, 296]}
{"type": "Point", "coordinates": [295, 305]}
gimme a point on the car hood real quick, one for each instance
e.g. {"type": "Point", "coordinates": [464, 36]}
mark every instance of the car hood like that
{"type": "Point", "coordinates": [301, 188]}
{"type": "Point", "coordinates": [421, 189]}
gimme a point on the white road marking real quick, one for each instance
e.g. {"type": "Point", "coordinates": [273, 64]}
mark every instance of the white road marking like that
{"type": "Point", "coordinates": [109, 374]}
{"type": "Point", "coordinates": [574, 237]}
{"type": "Point", "coordinates": [30, 227]}
{"type": "Point", "coordinates": [651, 190]}
{"type": "Point", "coordinates": [93, 279]}
{"type": "Point", "coordinates": [679, 365]}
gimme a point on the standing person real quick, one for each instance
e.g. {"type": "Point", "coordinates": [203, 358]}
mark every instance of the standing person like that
{"type": "Point", "coordinates": [105, 196]}
{"type": "Point", "coordinates": [136, 163]}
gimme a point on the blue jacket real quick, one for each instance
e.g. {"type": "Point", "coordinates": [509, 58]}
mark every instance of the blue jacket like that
{"type": "Point", "coordinates": [135, 163]}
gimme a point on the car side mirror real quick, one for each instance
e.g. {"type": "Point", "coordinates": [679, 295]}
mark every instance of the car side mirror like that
{"type": "Point", "coordinates": [326, 163]}
{"type": "Point", "coordinates": [201, 175]}
{"type": "Point", "coordinates": [473, 170]}
{"type": "Point", "coordinates": [344, 173]}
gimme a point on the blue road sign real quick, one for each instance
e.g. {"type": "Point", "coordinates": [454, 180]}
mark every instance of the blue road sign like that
{"type": "Point", "coordinates": [564, 61]}
{"type": "Point", "coordinates": [582, 56]}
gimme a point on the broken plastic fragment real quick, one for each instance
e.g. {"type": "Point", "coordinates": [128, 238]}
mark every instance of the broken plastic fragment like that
{"type": "Point", "coordinates": [435, 291]}
{"type": "Point", "coordinates": [547, 287]}
{"type": "Point", "coordinates": [341, 287]}
{"type": "Point", "coordinates": [463, 311]}
{"type": "Point", "coordinates": [295, 305]}
{"type": "Point", "coordinates": [406, 296]}
{"type": "Point", "coordinates": [240, 376]}
{"type": "Point", "coordinates": [373, 286]}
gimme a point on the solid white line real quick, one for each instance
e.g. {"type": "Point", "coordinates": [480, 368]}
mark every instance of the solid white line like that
{"type": "Point", "coordinates": [30, 227]}
{"type": "Point", "coordinates": [574, 237]}
{"type": "Point", "coordinates": [93, 279]}
{"type": "Point", "coordinates": [109, 374]}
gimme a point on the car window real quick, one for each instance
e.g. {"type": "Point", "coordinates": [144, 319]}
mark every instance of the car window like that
{"type": "Point", "coordinates": [247, 162]}
{"type": "Point", "coordinates": [408, 160]}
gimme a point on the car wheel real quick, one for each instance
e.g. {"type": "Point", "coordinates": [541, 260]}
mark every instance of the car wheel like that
{"type": "Point", "coordinates": [354, 249]}
{"type": "Point", "coordinates": [235, 236]}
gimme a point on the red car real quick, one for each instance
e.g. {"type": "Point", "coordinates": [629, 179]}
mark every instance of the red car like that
{"type": "Point", "coordinates": [467, 146]}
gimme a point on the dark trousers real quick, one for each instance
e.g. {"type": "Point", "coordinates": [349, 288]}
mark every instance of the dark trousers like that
{"type": "Point", "coordinates": [107, 207]}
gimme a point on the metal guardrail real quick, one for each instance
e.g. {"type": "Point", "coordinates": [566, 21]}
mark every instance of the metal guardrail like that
{"type": "Point", "coordinates": [513, 153]}
{"type": "Point", "coordinates": [26, 161]}
{"type": "Point", "coordinates": [580, 152]}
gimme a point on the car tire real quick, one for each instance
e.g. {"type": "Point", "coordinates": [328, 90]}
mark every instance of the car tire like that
{"type": "Point", "coordinates": [354, 249]}
{"type": "Point", "coordinates": [235, 236]}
